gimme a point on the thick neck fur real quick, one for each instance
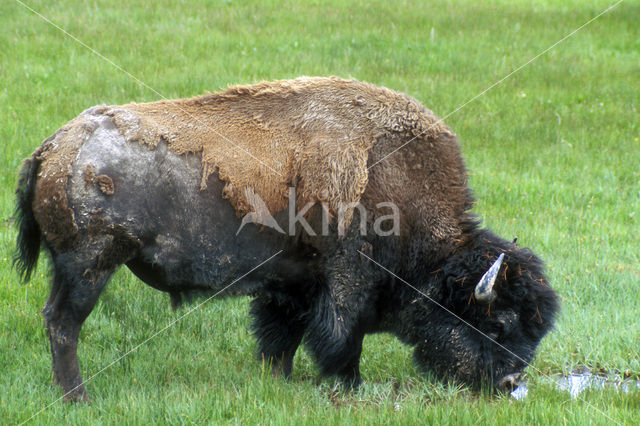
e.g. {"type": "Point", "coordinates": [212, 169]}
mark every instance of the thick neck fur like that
{"type": "Point", "coordinates": [451, 283]}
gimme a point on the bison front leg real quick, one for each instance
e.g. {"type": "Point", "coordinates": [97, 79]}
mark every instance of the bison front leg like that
{"type": "Point", "coordinates": [279, 322]}
{"type": "Point", "coordinates": [343, 311]}
{"type": "Point", "coordinates": [335, 340]}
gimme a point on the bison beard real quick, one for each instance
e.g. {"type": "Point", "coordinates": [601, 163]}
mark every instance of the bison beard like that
{"type": "Point", "coordinates": [160, 188]}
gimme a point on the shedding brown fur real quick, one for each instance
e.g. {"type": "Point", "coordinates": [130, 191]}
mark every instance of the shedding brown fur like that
{"type": "Point", "coordinates": [311, 133]}
{"type": "Point", "coordinates": [89, 175]}
{"type": "Point", "coordinates": [56, 156]}
{"type": "Point", "coordinates": [315, 134]}
{"type": "Point", "coordinates": [105, 183]}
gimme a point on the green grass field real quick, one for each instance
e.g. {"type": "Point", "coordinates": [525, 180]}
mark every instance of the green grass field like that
{"type": "Point", "coordinates": [553, 152]}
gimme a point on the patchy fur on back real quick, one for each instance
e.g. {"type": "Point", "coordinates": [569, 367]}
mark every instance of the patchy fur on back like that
{"type": "Point", "coordinates": [316, 134]}
{"type": "Point", "coordinates": [311, 133]}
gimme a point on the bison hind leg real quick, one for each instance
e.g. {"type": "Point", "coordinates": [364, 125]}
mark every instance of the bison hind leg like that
{"type": "Point", "coordinates": [279, 323]}
{"type": "Point", "coordinates": [80, 275]}
{"type": "Point", "coordinates": [71, 300]}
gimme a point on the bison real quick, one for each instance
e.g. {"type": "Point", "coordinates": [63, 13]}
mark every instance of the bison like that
{"type": "Point", "coordinates": [380, 239]}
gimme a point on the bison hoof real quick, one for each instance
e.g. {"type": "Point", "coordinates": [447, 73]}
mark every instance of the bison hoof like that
{"type": "Point", "coordinates": [77, 395]}
{"type": "Point", "coordinates": [350, 384]}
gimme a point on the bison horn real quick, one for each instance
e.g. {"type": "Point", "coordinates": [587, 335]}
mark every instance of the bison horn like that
{"type": "Point", "coordinates": [484, 292]}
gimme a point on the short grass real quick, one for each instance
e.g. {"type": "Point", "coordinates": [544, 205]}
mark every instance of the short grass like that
{"type": "Point", "coordinates": [554, 155]}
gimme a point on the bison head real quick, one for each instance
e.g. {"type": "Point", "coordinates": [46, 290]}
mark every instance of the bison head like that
{"type": "Point", "coordinates": [488, 307]}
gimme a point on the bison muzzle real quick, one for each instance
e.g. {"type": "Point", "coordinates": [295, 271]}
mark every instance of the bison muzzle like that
{"type": "Point", "coordinates": [162, 188]}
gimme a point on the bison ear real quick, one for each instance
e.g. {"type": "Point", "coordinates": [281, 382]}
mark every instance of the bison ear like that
{"type": "Point", "coordinates": [484, 292]}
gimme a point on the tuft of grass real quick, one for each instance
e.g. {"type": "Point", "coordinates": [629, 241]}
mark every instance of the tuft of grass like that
{"type": "Point", "coordinates": [553, 153]}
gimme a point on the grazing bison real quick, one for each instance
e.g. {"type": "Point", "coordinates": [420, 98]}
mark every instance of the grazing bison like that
{"type": "Point", "coordinates": [163, 187]}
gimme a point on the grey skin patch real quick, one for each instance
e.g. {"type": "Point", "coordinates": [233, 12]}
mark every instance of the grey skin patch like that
{"type": "Point", "coordinates": [105, 183]}
{"type": "Point", "coordinates": [178, 233]}
{"type": "Point", "coordinates": [90, 181]}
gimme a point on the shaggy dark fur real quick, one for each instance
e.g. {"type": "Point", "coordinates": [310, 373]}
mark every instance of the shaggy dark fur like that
{"type": "Point", "coordinates": [99, 200]}
{"type": "Point", "coordinates": [28, 228]}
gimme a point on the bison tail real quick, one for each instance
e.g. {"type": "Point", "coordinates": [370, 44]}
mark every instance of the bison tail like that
{"type": "Point", "coordinates": [29, 236]}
